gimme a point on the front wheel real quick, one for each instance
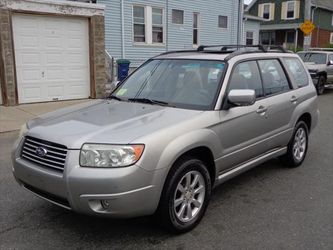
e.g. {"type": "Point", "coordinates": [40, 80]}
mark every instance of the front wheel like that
{"type": "Point", "coordinates": [321, 85]}
{"type": "Point", "coordinates": [185, 196]}
{"type": "Point", "coordinates": [298, 145]}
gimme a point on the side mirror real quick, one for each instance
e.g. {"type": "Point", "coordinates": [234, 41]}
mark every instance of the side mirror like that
{"type": "Point", "coordinates": [330, 63]}
{"type": "Point", "coordinates": [242, 97]}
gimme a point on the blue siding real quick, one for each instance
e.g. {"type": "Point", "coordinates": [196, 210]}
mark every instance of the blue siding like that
{"type": "Point", "coordinates": [177, 36]}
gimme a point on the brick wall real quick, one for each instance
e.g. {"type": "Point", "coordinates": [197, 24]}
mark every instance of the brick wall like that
{"type": "Point", "coordinates": [320, 38]}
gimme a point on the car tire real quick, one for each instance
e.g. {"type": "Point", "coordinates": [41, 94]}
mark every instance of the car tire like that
{"type": "Point", "coordinates": [185, 196]}
{"type": "Point", "coordinates": [321, 85]}
{"type": "Point", "coordinates": [298, 146]}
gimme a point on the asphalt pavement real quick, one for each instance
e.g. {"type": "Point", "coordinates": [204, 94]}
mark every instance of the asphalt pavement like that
{"type": "Point", "coordinates": [269, 207]}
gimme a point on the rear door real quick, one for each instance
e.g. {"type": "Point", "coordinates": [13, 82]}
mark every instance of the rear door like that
{"type": "Point", "coordinates": [281, 102]}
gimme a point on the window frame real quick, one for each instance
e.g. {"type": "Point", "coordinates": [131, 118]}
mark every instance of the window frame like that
{"type": "Point", "coordinates": [246, 37]}
{"type": "Point", "coordinates": [145, 24]}
{"type": "Point", "coordinates": [183, 16]}
{"type": "Point", "coordinates": [148, 10]}
{"type": "Point", "coordinates": [294, 10]}
{"type": "Point", "coordinates": [158, 25]}
{"type": "Point", "coordinates": [218, 22]}
{"type": "Point", "coordinates": [269, 11]}
{"type": "Point", "coordinates": [197, 14]}
{"type": "Point", "coordinates": [331, 38]}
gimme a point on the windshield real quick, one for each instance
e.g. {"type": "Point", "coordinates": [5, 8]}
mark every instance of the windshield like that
{"type": "Point", "coordinates": [316, 58]}
{"type": "Point", "coordinates": [190, 84]}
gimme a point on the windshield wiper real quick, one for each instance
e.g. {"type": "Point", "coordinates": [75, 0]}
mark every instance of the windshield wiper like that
{"type": "Point", "coordinates": [115, 98]}
{"type": "Point", "coordinates": [149, 101]}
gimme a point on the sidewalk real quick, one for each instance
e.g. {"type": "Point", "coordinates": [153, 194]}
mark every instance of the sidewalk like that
{"type": "Point", "coordinates": [12, 118]}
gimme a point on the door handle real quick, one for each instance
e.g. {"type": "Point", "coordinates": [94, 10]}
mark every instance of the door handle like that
{"type": "Point", "coordinates": [261, 110]}
{"type": "Point", "coordinates": [293, 99]}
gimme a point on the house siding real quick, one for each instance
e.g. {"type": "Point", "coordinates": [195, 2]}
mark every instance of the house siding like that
{"type": "Point", "coordinates": [323, 19]}
{"type": "Point", "coordinates": [278, 8]}
{"type": "Point", "coordinates": [178, 37]}
{"type": "Point", "coordinates": [252, 26]}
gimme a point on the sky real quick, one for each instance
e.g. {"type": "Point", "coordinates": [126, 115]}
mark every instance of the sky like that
{"type": "Point", "coordinates": [247, 1]}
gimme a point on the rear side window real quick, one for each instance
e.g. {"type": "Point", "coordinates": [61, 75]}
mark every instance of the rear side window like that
{"type": "Point", "coordinates": [246, 76]}
{"type": "Point", "coordinates": [298, 71]}
{"type": "Point", "coordinates": [273, 76]}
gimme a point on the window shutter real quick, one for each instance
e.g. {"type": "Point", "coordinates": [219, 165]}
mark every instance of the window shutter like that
{"type": "Point", "coordinates": [297, 7]}
{"type": "Point", "coordinates": [284, 11]}
{"type": "Point", "coordinates": [272, 12]}
{"type": "Point", "coordinates": [260, 10]}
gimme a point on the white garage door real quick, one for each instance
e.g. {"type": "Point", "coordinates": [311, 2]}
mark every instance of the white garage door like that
{"type": "Point", "coordinates": [52, 58]}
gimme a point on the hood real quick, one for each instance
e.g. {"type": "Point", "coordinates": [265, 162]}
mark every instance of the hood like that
{"type": "Point", "coordinates": [104, 121]}
{"type": "Point", "coordinates": [313, 66]}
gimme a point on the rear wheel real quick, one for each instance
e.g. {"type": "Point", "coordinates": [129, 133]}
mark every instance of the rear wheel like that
{"type": "Point", "coordinates": [298, 146]}
{"type": "Point", "coordinates": [321, 85]}
{"type": "Point", "coordinates": [185, 196]}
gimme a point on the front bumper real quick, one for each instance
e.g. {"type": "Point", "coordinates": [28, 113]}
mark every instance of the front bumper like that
{"type": "Point", "coordinates": [129, 192]}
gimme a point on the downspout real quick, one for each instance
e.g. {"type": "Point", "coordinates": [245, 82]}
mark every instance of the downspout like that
{"type": "Point", "coordinates": [240, 22]}
{"type": "Point", "coordinates": [122, 31]}
{"type": "Point", "coordinates": [167, 26]}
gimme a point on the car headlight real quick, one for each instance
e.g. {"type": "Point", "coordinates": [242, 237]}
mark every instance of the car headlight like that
{"type": "Point", "coordinates": [105, 155]}
{"type": "Point", "coordinates": [24, 129]}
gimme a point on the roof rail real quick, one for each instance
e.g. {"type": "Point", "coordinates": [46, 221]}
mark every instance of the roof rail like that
{"type": "Point", "coordinates": [320, 49]}
{"type": "Point", "coordinates": [226, 47]}
{"type": "Point", "coordinates": [233, 50]}
{"type": "Point", "coordinates": [277, 47]}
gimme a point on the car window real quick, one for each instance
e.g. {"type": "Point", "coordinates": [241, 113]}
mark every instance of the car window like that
{"type": "Point", "coordinates": [298, 71]}
{"type": "Point", "coordinates": [246, 76]}
{"type": "Point", "coordinates": [316, 58]}
{"type": "Point", "coordinates": [191, 84]}
{"type": "Point", "coordinates": [274, 78]}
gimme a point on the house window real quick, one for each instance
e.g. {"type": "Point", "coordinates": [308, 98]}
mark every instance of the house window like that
{"type": "Point", "coordinates": [249, 37]}
{"type": "Point", "coordinates": [266, 11]}
{"type": "Point", "coordinates": [139, 25]}
{"type": "Point", "coordinates": [290, 37]}
{"type": "Point", "coordinates": [178, 16]}
{"type": "Point", "coordinates": [195, 29]}
{"type": "Point", "coordinates": [223, 22]}
{"type": "Point", "coordinates": [148, 25]}
{"type": "Point", "coordinates": [291, 10]}
{"type": "Point", "coordinates": [157, 24]}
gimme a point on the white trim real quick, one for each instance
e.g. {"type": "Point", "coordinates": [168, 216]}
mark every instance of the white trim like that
{"type": "Point", "coordinates": [331, 38]}
{"type": "Point", "coordinates": [332, 20]}
{"type": "Point", "coordinates": [149, 24]}
{"type": "Point", "coordinates": [269, 11]}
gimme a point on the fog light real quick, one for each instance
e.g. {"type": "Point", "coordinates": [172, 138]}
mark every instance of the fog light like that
{"type": "Point", "coordinates": [105, 204]}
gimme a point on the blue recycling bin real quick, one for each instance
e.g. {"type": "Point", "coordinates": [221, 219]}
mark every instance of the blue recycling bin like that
{"type": "Point", "coordinates": [123, 68]}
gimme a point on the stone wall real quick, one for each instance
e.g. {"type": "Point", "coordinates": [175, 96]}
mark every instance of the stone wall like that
{"type": "Point", "coordinates": [7, 64]}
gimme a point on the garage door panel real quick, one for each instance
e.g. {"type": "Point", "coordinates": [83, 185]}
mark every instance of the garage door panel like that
{"type": "Point", "coordinates": [52, 58]}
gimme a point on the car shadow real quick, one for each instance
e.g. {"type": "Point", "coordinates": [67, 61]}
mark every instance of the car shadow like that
{"type": "Point", "coordinates": [105, 229]}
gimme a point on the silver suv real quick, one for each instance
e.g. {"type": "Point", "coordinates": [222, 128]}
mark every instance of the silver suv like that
{"type": "Point", "coordinates": [320, 65]}
{"type": "Point", "coordinates": [181, 124]}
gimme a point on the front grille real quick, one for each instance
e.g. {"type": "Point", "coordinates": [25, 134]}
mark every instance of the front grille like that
{"type": "Point", "coordinates": [55, 154]}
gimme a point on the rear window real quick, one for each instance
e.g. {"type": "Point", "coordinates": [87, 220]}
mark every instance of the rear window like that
{"type": "Point", "coordinates": [316, 58]}
{"type": "Point", "coordinates": [298, 71]}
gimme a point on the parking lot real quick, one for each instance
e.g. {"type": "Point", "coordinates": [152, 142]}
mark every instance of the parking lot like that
{"type": "Point", "coordinates": [269, 207]}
